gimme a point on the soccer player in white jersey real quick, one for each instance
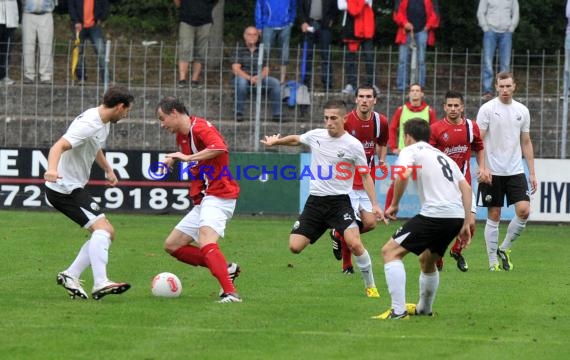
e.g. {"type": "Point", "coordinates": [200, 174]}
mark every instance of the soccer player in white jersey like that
{"type": "Point", "coordinates": [445, 198]}
{"type": "Point", "coordinates": [505, 125]}
{"type": "Point", "coordinates": [69, 164]}
{"type": "Point", "coordinates": [328, 205]}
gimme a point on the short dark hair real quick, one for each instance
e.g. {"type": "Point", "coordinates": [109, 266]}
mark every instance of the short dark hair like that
{"type": "Point", "coordinates": [452, 94]}
{"type": "Point", "coordinates": [117, 95]}
{"type": "Point", "coordinates": [170, 103]}
{"type": "Point", "coordinates": [366, 86]}
{"type": "Point", "coordinates": [505, 75]}
{"type": "Point", "coordinates": [336, 104]}
{"type": "Point", "coordinates": [416, 84]}
{"type": "Point", "coordinates": [418, 129]}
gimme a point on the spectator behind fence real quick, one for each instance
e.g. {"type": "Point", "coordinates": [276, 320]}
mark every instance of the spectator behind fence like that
{"type": "Point", "coordinates": [358, 25]}
{"type": "Point", "coordinates": [498, 19]}
{"type": "Point", "coordinates": [246, 75]}
{"type": "Point", "coordinates": [274, 20]}
{"type": "Point", "coordinates": [37, 25]}
{"type": "Point", "coordinates": [193, 33]}
{"type": "Point", "coordinates": [416, 20]}
{"type": "Point", "coordinates": [317, 18]}
{"type": "Point", "coordinates": [87, 17]}
{"type": "Point", "coordinates": [9, 19]}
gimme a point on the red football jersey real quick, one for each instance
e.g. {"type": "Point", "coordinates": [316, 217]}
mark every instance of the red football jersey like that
{"type": "Point", "coordinates": [457, 141]}
{"type": "Point", "coordinates": [212, 176]}
{"type": "Point", "coordinates": [370, 132]}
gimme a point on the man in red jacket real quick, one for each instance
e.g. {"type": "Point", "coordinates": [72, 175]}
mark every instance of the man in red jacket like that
{"type": "Point", "coordinates": [358, 32]}
{"type": "Point", "coordinates": [416, 20]}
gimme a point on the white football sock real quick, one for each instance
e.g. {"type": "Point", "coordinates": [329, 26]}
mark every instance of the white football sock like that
{"type": "Point", "coordinates": [492, 240]}
{"type": "Point", "coordinates": [80, 263]}
{"type": "Point", "coordinates": [99, 255]}
{"type": "Point", "coordinates": [365, 265]}
{"type": "Point", "coordinates": [514, 230]}
{"type": "Point", "coordinates": [428, 288]}
{"type": "Point", "coordinates": [396, 280]}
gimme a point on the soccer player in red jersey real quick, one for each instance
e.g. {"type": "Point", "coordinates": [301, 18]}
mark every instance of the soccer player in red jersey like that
{"type": "Point", "coordinates": [194, 240]}
{"type": "Point", "coordinates": [457, 136]}
{"type": "Point", "coordinates": [371, 128]}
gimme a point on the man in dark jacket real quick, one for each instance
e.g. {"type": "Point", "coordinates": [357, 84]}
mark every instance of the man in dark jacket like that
{"type": "Point", "coordinates": [316, 24]}
{"type": "Point", "coordinates": [87, 23]}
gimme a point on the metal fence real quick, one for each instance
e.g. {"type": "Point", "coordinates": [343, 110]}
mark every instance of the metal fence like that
{"type": "Point", "coordinates": [36, 115]}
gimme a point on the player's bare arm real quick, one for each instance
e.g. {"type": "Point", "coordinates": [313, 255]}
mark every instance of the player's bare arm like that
{"type": "Point", "coordinates": [528, 153]}
{"type": "Point", "coordinates": [400, 184]}
{"type": "Point", "coordinates": [107, 168]}
{"type": "Point", "coordinates": [205, 154]}
{"type": "Point", "coordinates": [289, 140]}
{"type": "Point", "coordinates": [371, 192]}
{"type": "Point", "coordinates": [61, 146]}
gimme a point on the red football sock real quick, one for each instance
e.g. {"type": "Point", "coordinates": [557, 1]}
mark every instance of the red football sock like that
{"type": "Point", "coordinates": [218, 266]}
{"type": "Point", "coordinates": [389, 195]}
{"type": "Point", "coordinates": [346, 254]}
{"type": "Point", "coordinates": [190, 255]}
{"type": "Point", "coordinates": [456, 248]}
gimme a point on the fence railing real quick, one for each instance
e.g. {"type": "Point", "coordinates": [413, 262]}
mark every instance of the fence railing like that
{"type": "Point", "coordinates": [150, 69]}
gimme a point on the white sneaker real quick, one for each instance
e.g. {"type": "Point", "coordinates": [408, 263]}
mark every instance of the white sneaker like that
{"type": "Point", "coordinates": [229, 298]}
{"type": "Point", "coordinates": [109, 287]}
{"type": "Point", "coordinates": [72, 285]}
{"type": "Point", "coordinates": [348, 89]}
{"type": "Point", "coordinates": [7, 81]}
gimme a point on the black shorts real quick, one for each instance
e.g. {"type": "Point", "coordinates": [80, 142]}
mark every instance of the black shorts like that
{"type": "Point", "coordinates": [422, 232]}
{"type": "Point", "coordinates": [78, 206]}
{"type": "Point", "coordinates": [322, 213]}
{"type": "Point", "coordinates": [515, 187]}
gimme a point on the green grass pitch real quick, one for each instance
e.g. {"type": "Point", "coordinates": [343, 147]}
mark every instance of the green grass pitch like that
{"type": "Point", "coordinates": [295, 306]}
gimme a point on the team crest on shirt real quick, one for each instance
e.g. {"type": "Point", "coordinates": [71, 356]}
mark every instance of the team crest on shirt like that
{"type": "Point", "coordinates": [519, 118]}
{"type": "Point", "coordinates": [445, 137]}
{"type": "Point", "coordinates": [94, 206]}
{"type": "Point", "coordinates": [347, 217]}
{"type": "Point", "coordinates": [340, 153]}
{"type": "Point", "coordinates": [353, 133]}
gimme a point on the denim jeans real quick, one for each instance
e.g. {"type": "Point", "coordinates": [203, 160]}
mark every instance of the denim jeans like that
{"type": "Point", "coordinates": [324, 38]}
{"type": "Point", "coordinates": [492, 40]}
{"type": "Point", "coordinates": [351, 61]}
{"type": "Point", "coordinates": [95, 35]}
{"type": "Point", "coordinates": [272, 36]}
{"type": "Point", "coordinates": [268, 84]}
{"type": "Point", "coordinates": [403, 57]}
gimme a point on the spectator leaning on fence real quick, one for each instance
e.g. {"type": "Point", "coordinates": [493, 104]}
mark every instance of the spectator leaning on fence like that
{"type": "Point", "coordinates": [498, 19]}
{"type": "Point", "coordinates": [37, 25]}
{"type": "Point", "coordinates": [87, 17]}
{"type": "Point", "coordinates": [9, 19]}
{"type": "Point", "coordinates": [246, 75]}
{"type": "Point", "coordinates": [417, 20]}
{"type": "Point", "coordinates": [274, 20]}
{"type": "Point", "coordinates": [193, 33]}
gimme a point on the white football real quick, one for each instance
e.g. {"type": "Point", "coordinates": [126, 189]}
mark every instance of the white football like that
{"type": "Point", "coordinates": [166, 285]}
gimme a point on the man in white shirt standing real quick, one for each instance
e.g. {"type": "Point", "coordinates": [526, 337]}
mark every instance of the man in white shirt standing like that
{"type": "Point", "coordinates": [328, 205]}
{"type": "Point", "coordinates": [445, 198]}
{"type": "Point", "coordinates": [505, 124]}
{"type": "Point", "coordinates": [69, 164]}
